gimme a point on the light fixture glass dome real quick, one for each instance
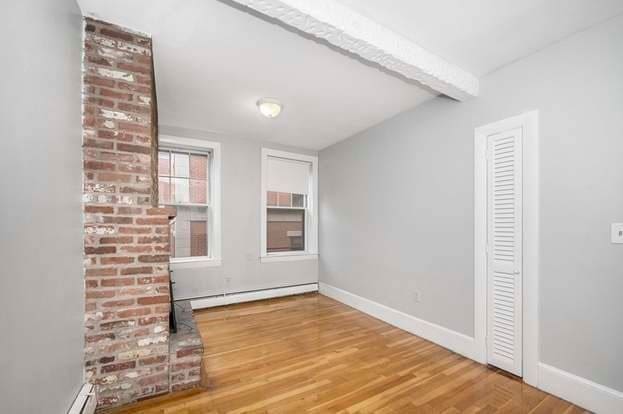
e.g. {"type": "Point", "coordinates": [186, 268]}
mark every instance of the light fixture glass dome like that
{"type": "Point", "coordinates": [269, 107]}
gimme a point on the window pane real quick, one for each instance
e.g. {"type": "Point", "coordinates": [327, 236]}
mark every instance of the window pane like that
{"type": "Point", "coordinates": [199, 166]}
{"type": "Point", "coordinates": [190, 234]}
{"type": "Point", "coordinates": [198, 238]}
{"type": "Point", "coordinates": [198, 191]}
{"type": "Point", "coordinates": [271, 198]}
{"type": "Point", "coordinates": [199, 178]}
{"type": "Point", "coordinates": [285, 199]}
{"type": "Point", "coordinates": [180, 190]}
{"type": "Point", "coordinates": [181, 167]}
{"type": "Point", "coordinates": [298, 200]}
{"type": "Point", "coordinates": [164, 163]}
{"type": "Point", "coordinates": [285, 230]}
{"type": "Point", "coordinates": [164, 190]}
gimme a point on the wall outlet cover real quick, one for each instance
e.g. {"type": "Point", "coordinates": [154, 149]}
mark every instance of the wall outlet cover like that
{"type": "Point", "coordinates": [617, 233]}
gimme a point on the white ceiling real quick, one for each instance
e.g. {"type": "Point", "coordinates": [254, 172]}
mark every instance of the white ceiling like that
{"type": "Point", "coordinates": [214, 61]}
{"type": "Point", "coordinates": [482, 35]}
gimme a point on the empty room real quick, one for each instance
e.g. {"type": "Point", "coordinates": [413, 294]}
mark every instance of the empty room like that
{"type": "Point", "coordinates": [312, 206]}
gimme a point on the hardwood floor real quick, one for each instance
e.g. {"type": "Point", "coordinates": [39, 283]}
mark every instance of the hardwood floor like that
{"type": "Point", "coordinates": [311, 354]}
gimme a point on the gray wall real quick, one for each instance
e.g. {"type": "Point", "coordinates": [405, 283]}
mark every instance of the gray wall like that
{"type": "Point", "coordinates": [241, 180]}
{"type": "Point", "coordinates": [41, 283]}
{"type": "Point", "coordinates": [397, 202]}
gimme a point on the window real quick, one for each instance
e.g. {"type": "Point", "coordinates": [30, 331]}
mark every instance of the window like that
{"type": "Point", "coordinates": [285, 230]}
{"type": "Point", "coordinates": [289, 206]}
{"type": "Point", "coordinates": [188, 179]}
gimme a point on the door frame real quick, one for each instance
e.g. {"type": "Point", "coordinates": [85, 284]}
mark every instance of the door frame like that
{"type": "Point", "coordinates": [530, 222]}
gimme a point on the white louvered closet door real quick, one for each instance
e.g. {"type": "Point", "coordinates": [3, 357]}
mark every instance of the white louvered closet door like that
{"type": "Point", "coordinates": [504, 251]}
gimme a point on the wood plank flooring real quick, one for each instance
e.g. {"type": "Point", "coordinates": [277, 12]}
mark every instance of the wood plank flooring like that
{"type": "Point", "coordinates": [311, 354]}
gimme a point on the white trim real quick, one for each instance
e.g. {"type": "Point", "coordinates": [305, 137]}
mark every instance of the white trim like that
{"type": "Point", "coordinates": [311, 218]}
{"type": "Point", "coordinates": [295, 156]}
{"type": "Point", "coordinates": [186, 143]}
{"type": "Point", "coordinates": [529, 123]}
{"type": "Point", "coordinates": [447, 338]}
{"type": "Point", "coordinates": [194, 262]}
{"type": "Point", "coordinates": [272, 258]}
{"type": "Point", "coordinates": [531, 238]}
{"type": "Point", "coordinates": [350, 31]}
{"type": "Point", "coordinates": [580, 391]}
{"type": "Point", "coordinates": [480, 242]}
{"type": "Point", "coordinates": [213, 301]}
{"type": "Point", "coordinates": [85, 402]}
{"type": "Point", "coordinates": [216, 241]}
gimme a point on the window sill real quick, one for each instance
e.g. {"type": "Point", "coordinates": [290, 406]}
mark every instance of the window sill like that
{"type": "Point", "coordinates": [194, 262]}
{"type": "Point", "coordinates": [288, 257]}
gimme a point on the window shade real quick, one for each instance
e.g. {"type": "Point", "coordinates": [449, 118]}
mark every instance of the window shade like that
{"type": "Point", "coordinates": [288, 176]}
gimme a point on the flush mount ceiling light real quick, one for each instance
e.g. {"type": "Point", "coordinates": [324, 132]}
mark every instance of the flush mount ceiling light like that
{"type": "Point", "coordinates": [269, 107]}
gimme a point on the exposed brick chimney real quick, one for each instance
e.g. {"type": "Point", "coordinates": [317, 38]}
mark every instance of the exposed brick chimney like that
{"type": "Point", "coordinates": [126, 239]}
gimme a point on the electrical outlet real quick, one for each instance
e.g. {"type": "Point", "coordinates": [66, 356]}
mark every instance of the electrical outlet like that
{"type": "Point", "coordinates": [417, 296]}
{"type": "Point", "coordinates": [617, 233]}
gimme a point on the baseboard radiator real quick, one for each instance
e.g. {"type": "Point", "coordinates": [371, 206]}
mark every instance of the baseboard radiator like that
{"type": "Point", "coordinates": [85, 402]}
{"type": "Point", "coordinates": [221, 300]}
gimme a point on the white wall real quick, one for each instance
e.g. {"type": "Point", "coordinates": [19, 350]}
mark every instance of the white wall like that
{"type": "Point", "coordinates": [241, 180]}
{"type": "Point", "coordinates": [41, 282]}
{"type": "Point", "coordinates": [396, 202]}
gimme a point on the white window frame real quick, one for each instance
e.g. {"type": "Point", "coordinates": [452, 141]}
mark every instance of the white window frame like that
{"type": "Point", "coordinates": [311, 215]}
{"type": "Point", "coordinates": [173, 143]}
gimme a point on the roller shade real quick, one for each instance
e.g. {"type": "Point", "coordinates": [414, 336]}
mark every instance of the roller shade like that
{"type": "Point", "coordinates": [288, 176]}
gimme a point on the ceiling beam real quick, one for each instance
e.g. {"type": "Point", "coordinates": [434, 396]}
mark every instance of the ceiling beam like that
{"type": "Point", "coordinates": [352, 32]}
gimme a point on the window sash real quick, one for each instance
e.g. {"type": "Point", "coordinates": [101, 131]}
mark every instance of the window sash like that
{"type": "Point", "coordinates": [305, 222]}
{"type": "Point", "coordinates": [279, 234]}
{"type": "Point", "coordinates": [208, 187]}
{"type": "Point", "coordinates": [209, 235]}
{"type": "Point", "coordinates": [186, 205]}
{"type": "Point", "coordinates": [285, 208]}
{"type": "Point", "coordinates": [208, 181]}
{"type": "Point", "coordinates": [182, 178]}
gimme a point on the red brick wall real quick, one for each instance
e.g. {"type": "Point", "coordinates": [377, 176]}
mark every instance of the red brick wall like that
{"type": "Point", "coordinates": [126, 239]}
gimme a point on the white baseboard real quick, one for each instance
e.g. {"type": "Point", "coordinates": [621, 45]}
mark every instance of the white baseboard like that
{"type": "Point", "coordinates": [447, 338]}
{"type": "Point", "coordinates": [222, 300]}
{"type": "Point", "coordinates": [580, 391]}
